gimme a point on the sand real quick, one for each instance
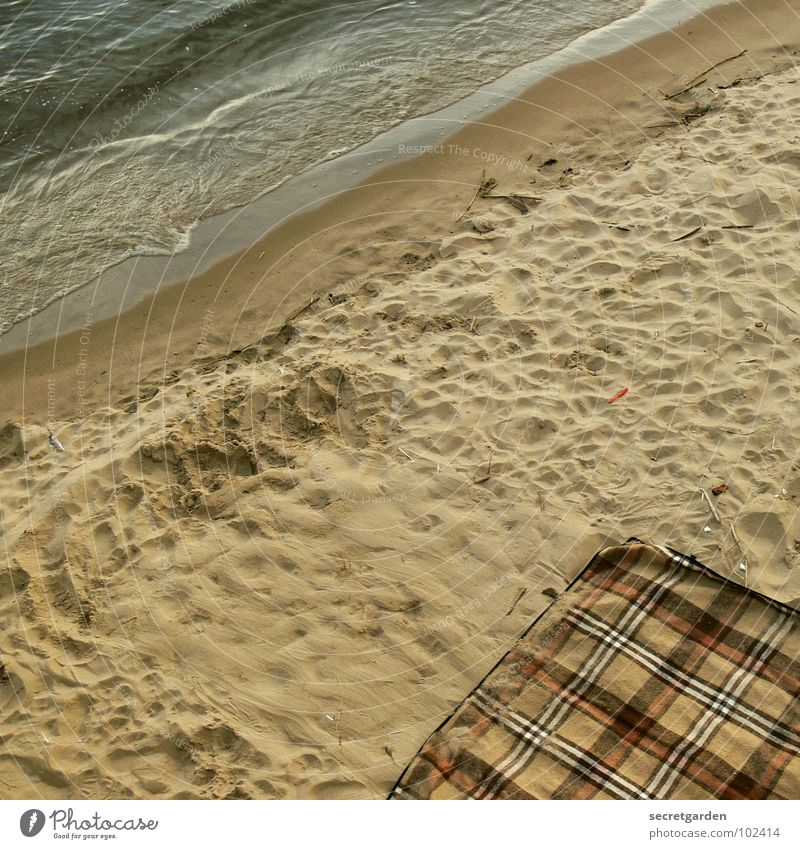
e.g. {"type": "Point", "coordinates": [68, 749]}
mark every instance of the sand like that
{"type": "Point", "coordinates": [289, 532]}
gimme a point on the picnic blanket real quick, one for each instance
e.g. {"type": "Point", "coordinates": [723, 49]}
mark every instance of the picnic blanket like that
{"type": "Point", "coordinates": [650, 677]}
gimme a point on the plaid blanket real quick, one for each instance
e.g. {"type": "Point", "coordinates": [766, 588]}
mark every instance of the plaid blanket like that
{"type": "Point", "coordinates": [651, 677]}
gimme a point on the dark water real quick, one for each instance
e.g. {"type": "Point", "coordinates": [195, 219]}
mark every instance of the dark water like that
{"type": "Point", "coordinates": [123, 123]}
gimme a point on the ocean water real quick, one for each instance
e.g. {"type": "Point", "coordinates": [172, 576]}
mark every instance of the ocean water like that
{"type": "Point", "coordinates": [124, 122]}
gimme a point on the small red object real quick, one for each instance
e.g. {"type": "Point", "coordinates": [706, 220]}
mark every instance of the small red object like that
{"type": "Point", "coordinates": [621, 394]}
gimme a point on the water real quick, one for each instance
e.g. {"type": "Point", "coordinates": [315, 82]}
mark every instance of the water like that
{"type": "Point", "coordinates": [124, 122]}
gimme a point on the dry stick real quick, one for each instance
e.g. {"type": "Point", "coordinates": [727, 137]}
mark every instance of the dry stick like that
{"type": "Point", "coordinates": [298, 312]}
{"type": "Point", "coordinates": [339, 714]}
{"type": "Point", "coordinates": [517, 600]}
{"type": "Point", "coordinates": [684, 90]}
{"type": "Point", "coordinates": [786, 305]}
{"type": "Point", "coordinates": [475, 196]}
{"type": "Point", "coordinates": [741, 550]}
{"type": "Point", "coordinates": [686, 235]}
{"type": "Point", "coordinates": [740, 80]}
{"type": "Point", "coordinates": [692, 200]}
{"type": "Point", "coordinates": [717, 64]}
{"type": "Point", "coordinates": [711, 505]}
{"type": "Point", "coordinates": [733, 531]}
{"type": "Point", "coordinates": [231, 354]}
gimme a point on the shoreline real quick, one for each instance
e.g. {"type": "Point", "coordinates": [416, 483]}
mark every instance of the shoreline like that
{"type": "Point", "coordinates": [119, 287]}
{"type": "Point", "coordinates": [248, 296]}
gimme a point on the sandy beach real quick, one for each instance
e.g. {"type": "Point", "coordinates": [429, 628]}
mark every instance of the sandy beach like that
{"type": "Point", "coordinates": [307, 499]}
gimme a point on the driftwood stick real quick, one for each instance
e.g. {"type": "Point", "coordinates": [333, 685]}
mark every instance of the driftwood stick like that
{"type": "Point", "coordinates": [737, 540]}
{"type": "Point", "coordinates": [741, 550]}
{"type": "Point", "coordinates": [711, 505]}
{"type": "Point", "coordinates": [690, 233]}
{"type": "Point", "coordinates": [517, 600]}
{"type": "Point", "coordinates": [740, 80]}
{"type": "Point", "coordinates": [475, 196]}
{"type": "Point", "coordinates": [717, 64]}
{"type": "Point", "coordinates": [691, 201]}
{"type": "Point", "coordinates": [683, 90]}
{"type": "Point", "coordinates": [786, 306]}
{"type": "Point", "coordinates": [696, 81]}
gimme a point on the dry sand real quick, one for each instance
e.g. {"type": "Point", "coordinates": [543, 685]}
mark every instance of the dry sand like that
{"type": "Point", "coordinates": [273, 572]}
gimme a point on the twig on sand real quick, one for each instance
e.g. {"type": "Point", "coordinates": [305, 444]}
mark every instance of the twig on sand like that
{"type": "Point", "coordinates": [406, 453]}
{"type": "Point", "coordinates": [741, 551]}
{"type": "Point", "coordinates": [692, 200]}
{"type": "Point", "coordinates": [686, 235]}
{"type": "Point", "coordinates": [696, 81]}
{"type": "Point", "coordinates": [699, 158]}
{"type": "Point", "coordinates": [207, 365]}
{"type": "Point", "coordinates": [339, 712]}
{"type": "Point", "coordinates": [711, 505]}
{"type": "Point", "coordinates": [517, 600]}
{"type": "Point", "coordinates": [743, 566]}
{"type": "Point", "coordinates": [739, 80]}
{"type": "Point", "coordinates": [475, 196]}
{"type": "Point", "coordinates": [721, 62]}
{"type": "Point", "coordinates": [786, 306]}
{"type": "Point", "coordinates": [684, 90]}
{"type": "Point", "coordinates": [314, 298]}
